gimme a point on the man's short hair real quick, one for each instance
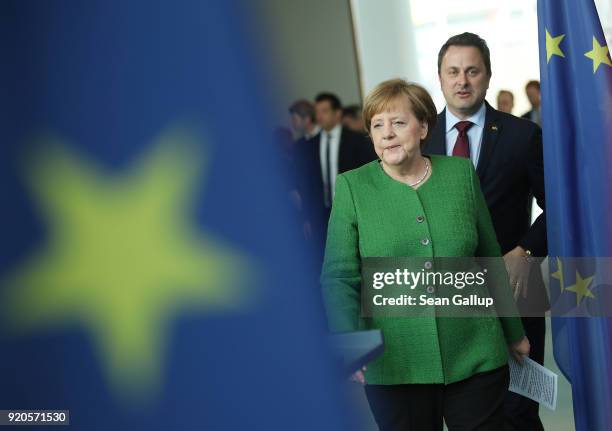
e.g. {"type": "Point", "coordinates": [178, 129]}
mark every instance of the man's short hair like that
{"type": "Point", "coordinates": [333, 100]}
{"type": "Point", "coordinates": [467, 39]}
{"type": "Point", "coordinates": [508, 92]}
{"type": "Point", "coordinates": [534, 84]}
{"type": "Point", "coordinates": [387, 92]}
{"type": "Point", "coordinates": [303, 108]}
{"type": "Point", "coordinates": [352, 111]}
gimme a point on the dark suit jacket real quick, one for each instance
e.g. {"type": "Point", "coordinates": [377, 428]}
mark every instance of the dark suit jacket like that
{"type": "Point", "coordinates": [355, 150]}
{"type": "Point", "coordinates": [527, 115]}
{"type": "Point", "coordinates": [511, 170]}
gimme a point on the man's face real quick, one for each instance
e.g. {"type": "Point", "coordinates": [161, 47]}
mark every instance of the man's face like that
{"type": "Point", "coordinates": [505, 103]}
{"type": "Point", "coordinates": [464, 80]}
{"type": "Point", "coordinates": [327, 117]}
{"type": "Point", "coordinates": [297, 124]}
{"type": "Point", "coordinates": [533, 94]}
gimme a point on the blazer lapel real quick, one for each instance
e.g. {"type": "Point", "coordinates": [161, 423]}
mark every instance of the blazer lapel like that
{"type": "Point", "coordinates": [436, 143]}
{"type": "Point", "coordinates": [490, 135]}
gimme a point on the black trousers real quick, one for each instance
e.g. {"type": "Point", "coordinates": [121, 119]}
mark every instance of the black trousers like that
{"type": "Point", "coordinates": [475, 403]}
{"type": "Point", "coordinates": [521, 414]}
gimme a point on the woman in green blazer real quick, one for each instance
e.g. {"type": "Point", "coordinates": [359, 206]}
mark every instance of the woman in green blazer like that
{"type": "Point", "coordinates": [403, 205]}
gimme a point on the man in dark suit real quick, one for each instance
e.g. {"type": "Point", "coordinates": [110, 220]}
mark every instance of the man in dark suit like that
{"type": "Point", "coordinates": [532, 89]}
{"type": "Point", "coordinates": [336, 149]}
{"type": "Point", "coordinates": [339, 149]}
{"type": "Point", "coordinates": [320, 158]}
{"type": "Point", "coordinates": [507, 154]}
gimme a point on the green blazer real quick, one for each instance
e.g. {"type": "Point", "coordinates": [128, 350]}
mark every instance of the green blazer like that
{"type": "Point", "coordinates": [376, 216]}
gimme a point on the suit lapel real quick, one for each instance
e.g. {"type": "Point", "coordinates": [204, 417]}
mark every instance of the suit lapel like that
{"type": "Point", "coordinates": [490, 135]}
{"type": "Point", "coordinates": [437, 141]}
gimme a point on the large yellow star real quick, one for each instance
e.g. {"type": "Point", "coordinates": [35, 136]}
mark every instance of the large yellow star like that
{"type": "Point", "coordinates": [552, 46]}
{"type": "Point", "coordinates": [122, 257]}
{"type": "Point", "coordinates": [581, 288]}
{"type": "Point", "coordinates": [599, 55]}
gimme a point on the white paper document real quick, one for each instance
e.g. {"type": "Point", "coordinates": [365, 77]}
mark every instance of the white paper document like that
{"type": "Point", "coordinates": [533, 381]}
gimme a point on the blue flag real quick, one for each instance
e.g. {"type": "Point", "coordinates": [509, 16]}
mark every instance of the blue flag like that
{"type": "Point", "coordinates": [151, 276]}
{"type": "Point", "coordinates": [576, 83]}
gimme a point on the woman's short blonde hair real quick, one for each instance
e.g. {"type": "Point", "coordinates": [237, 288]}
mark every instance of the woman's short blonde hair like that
{"type": "Point", "coordinates": [386, 93]}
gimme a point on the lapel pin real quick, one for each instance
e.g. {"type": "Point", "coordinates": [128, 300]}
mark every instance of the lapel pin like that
{"type": "Point", "coordinates": [494, 128]}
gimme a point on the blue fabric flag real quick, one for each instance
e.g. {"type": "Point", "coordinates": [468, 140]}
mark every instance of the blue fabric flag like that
{"type": "Point", "coordinates": [576, 84]}
{"type": "Point", "coordinates": [150, 277]}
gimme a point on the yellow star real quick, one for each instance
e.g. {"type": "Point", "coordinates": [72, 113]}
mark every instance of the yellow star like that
{"type": "Point", "coordinates": [552, 46]}
{"type": "Point", "coordinates": [581, 288]}
{"type": "Point", "coordinates": [558, 274]}
{"type": "Point", "coordinates": [599, 54]}
{"type": "Point", "coordinates": [122, 257]}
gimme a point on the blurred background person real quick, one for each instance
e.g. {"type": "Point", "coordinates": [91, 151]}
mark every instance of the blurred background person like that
{"type": "Point", "coordinates": [505, 101]}
{"type": "Point", "coordinates": [305, 129]}
{"type": "Point", "coordinates": [303, 121]}
{"type": "Point", "coordinates": [532, 89]}
{"type": "Point", "coordinates": [287, 147]}
{"type": "Point", "coordinates": [307, 186]}
{"type": "Point", "coordinates": [353, 119]}
{"type": "Point", "coordinates": [324, 151]}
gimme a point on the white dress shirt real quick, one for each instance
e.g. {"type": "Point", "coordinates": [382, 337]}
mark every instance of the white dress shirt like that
{"type": "Point", "coordinates": [474, 133]}
{"type": "Point", "coordinates": [331, 138]}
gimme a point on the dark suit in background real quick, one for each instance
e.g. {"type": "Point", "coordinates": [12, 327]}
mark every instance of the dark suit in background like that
{"type": "Point", "coordinates": [511, 170]}
{"type": "Point", "coordinates": [355, 150]}
{"type": "Point", "coordinates": [533, 115]}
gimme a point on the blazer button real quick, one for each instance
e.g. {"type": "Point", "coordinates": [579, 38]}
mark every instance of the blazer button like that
{"type": "Point", "coordinates": [425, 241]}
{"type": "Point", "coordinates": [428, 265]}
{"type": "Point", "coordinates": [420, 219]}
{"type": "Point", "coordinates": [430, 289]}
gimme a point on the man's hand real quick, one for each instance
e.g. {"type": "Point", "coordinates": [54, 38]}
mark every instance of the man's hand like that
{"type": "Point", "coordinates": [519, 349]}
{"type": "Point", "coordinates": [518, 269]}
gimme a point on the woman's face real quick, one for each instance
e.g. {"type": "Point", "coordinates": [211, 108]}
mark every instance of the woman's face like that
{"type": "Point", "coordinates": [397, 134]}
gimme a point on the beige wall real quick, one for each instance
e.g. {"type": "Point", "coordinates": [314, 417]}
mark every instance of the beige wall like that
{"type": "Point", "coordinates": [310, 46]}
